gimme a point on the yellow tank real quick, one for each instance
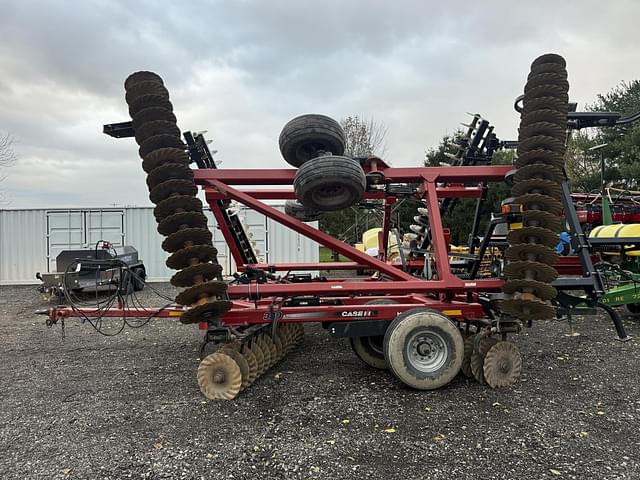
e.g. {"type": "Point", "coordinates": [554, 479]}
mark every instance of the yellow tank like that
{"type": "Point", "coordinates": [618, 230]}
{"type": "Point", "coordinates": [370, 240]}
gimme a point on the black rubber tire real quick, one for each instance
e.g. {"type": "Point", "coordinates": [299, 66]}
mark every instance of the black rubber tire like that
{"type": "Point", "coordinates": [633, 308]}
{"type": "Point", "coordinates": [304, 136]}
{"type": "Point", "coordinates": [371, 349]}
{"type": "Point", "coordinates": [138, 279]}
{"type": "Point", "coordinates": [330, 183]}
{"type": "Point", "coordinates": [422, 321]}
{"type": "Point", "coordinates": [298, 211]}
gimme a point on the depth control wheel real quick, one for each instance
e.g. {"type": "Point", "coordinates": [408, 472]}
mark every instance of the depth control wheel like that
{"type": "Point", "coordinates": [423, 348]}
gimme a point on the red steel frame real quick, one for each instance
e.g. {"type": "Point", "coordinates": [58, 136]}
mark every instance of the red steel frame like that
{"type": "Point", "coordinates": [255, 303]}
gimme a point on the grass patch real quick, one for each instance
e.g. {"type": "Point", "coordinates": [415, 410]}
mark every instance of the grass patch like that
{"type": "Point", "coordinates": [325, 256]}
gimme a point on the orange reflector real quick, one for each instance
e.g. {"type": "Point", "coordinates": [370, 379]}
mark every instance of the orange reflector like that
{"type": "Point", "coordinates": [175, 313]}
{"type": "Point", "coordinates": [452, 313]}
{"type": "Point", "coordinates": [515, 226]}
{"type": "Point", "coordinates": [512, 208]}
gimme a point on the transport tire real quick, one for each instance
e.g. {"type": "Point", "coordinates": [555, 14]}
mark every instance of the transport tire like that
{"type": "Point", "coordinates": [371, 349]}
{"type": "Point", "coordinates": [423, 348]}
{"type": "Point", "coordinates": [305, 136]}
{"type": "Point", "coordinates": [634, 308]}
{"type": "Point", "coordinates": [330, 183]}
{"type": "Point", "coordinates": [298, 211]}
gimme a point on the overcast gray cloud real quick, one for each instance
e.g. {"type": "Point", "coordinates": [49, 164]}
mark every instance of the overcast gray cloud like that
{"type": "Point", "coordinates": [242, 69]}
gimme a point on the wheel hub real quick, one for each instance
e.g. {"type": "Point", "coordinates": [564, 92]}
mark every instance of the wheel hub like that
{"type": "Point", "coordinates": [427, 351]}
{"type": "Point", "coordinates": [504, 365]}
{"type": "Point", "coordinates": [219, 377]}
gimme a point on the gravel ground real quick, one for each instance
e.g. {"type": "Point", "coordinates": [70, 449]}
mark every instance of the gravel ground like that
{"type": "Point", "coordinates": [129, 407]}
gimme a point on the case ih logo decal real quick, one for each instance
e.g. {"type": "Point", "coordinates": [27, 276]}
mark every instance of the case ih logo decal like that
{"type": "Point", "coordinates": [358, 313]}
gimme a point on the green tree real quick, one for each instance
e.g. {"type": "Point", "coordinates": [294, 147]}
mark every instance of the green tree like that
{"type": "Point", "coordinates": [459, 216]}
{"type": "Point", "coordinates": [622, 154]}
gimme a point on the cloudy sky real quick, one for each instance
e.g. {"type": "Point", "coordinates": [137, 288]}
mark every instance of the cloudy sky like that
{"type": "Point", "coordinates": [242, 69]}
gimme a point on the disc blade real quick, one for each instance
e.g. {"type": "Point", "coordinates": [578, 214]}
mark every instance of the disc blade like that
{"type": "Point", "coordinates": [532, 104]}
{"type": "Point", "coordinates": [544, 115]}
{"type": "Point", "coordinates": [549, 58]}
{"type": "Point", "coordinates": [241, 361]}
{"type": "Point", "coordinates": [168, 171]}
{"type": "Point", "coordinates": [528, 309]}
{"type": "Point", "coordinates": [193, 294]}
{"type": "Point", "coordinates": [164, 155]}
{"type": "Point", "coordinates": [540, 155]}
{"type": "Point", "coordinates": [142, 76]}
{"type": "Point", "coordinates": [547, 78]}
{"type": "Point", "coordinates": [547, 90]}
{"type": "Point", "coordinates": [172, 187]}
{"type": "Point", "coordinates": [533, 235]}
{"type": "Point", "coordinates": [158, 142]}
{"type": "Point", "coordinates": [534, 253]}
{"type": "Point", "coordinates": [527, 270]}
{"type": "Point", "coordinates": [157, 127]}
{"type": "Point", "coordinates": [542, 219]}
{"type": "Point", "coordinates": [502, 365]}
{"type": "Point", "coordinates": [195, 274]}
{"type": "Point", "coordinates": [540, 142]}
{"type": "Point", "coordinates": [181, 220]}
{"type": "Point", "coordinates": [151, 87]}
{"type": "Point", "coordinates": [252, 362]}
{"type": "Point", "coordinates": [219, 377]}
{"type": "Point", "coordinates": [175, 204]}
{"type": "Point", "coordinates": [466, 359]}
{"type": "Point", "coordinates": [185, 238]}
{"type": "Point", "coordinates": [537, 185]}
{"type": "Point", "coordinates": [548, 129]}
{"type": "Point", "coordinates": [205, 312]}
{"type": "Point", "coordinates": [543, 291]}
{"type": "Point", "coordinates": [148, 101]}
{"type": "Point", "coordinates": [536, 201]}
{"type": "Point", "coordinates": [152, 114]}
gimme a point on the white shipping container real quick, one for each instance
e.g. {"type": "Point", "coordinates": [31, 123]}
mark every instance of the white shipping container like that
{"type": "Point", "coordinates": [31, 239]}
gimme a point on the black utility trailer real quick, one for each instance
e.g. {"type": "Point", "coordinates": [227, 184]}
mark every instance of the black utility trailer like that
{"type": "Point", "coordinates": [94, 269]}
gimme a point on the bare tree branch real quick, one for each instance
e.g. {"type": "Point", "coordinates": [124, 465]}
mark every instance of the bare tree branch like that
{"type": "Point", "coordinates": [364, 137]}
{"type": "Point", "coordinates": [8, 158]}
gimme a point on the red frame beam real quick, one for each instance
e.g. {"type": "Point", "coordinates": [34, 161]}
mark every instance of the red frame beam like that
{"type": "Point", "coordinates": [310, 232]}
{"type": "Point", "coordinates": [285, 176]}
{"type": "Point", "coordinates": [453, 191]}
{"type": "Point", "coordinates": [246, 313]}
{"type": "Point", "coordinates": [370, 287]}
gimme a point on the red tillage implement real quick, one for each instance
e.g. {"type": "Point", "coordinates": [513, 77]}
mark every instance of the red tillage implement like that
{"type": "Point", "coordinates": [425, 315]}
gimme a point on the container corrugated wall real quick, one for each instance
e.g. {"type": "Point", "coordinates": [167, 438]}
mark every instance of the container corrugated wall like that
{"type": "Point", "coordinates": [140, 232]}
{"type": "Point", "coordinates": [24, 244]}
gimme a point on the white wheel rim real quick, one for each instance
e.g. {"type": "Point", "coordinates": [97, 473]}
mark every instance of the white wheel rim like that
{"type": "Point", "coordinates": [427, 351]}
